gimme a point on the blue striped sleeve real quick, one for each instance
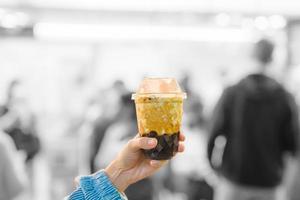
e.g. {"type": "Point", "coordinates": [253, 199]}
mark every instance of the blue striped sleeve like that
{"type": "Point", "coordinates": [76, 195]}
{"type": "Point", "coordinates": [96, 187]}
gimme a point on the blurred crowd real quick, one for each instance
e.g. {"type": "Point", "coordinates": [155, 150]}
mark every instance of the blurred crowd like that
{"type": "Point", "coordinates": [247, 148]}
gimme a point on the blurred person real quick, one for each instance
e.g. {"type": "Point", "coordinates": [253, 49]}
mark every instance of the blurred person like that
{"type": "Point", "coordinates": [110, 105]}
{"type": "Point", "coordinates": [12, 179]}
{"type": "Point", "coordinates": [120, 87]}
{"type": "Point", "coordinates": [188, 173]}
{"type": "Point", "coordinates": [128, 167]}
{"type": "Point", "coordinates": [116, 136]}
{"type": "Point", "coordinates": [193, 106]}
{"type": "Point", "coordinates": [19, 123]}
{"type": "Point", "coordinates": [258, 120]}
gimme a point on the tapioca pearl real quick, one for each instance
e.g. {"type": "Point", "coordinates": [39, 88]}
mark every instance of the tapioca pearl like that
{"type": "Point", "coordinates": [175, 138]}
{"type": "Point", "coordinates": [159, 147]}
{"type": "Point", "coordinates": [152, 134]}
{"type": "Point", "coordinates": [162, 141]}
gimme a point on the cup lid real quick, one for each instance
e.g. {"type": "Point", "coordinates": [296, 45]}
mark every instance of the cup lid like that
{"type": "Point", "coordinates": [157, 86]}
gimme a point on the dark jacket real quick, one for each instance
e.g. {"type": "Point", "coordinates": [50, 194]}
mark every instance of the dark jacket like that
{"type": "Point", "coordinates": [259, 119]}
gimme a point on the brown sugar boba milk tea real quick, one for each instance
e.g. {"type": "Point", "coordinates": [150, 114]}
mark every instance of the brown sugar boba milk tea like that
{"type": "Point", "coordinates": [159, 109]}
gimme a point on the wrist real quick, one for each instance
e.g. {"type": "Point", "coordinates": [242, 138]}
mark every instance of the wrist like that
{"type": "Point", "coordinates": [116, 176]}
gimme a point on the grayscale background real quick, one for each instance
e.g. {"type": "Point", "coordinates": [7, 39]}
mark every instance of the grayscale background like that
{"type": "Point", "coordinates": [66, 64]}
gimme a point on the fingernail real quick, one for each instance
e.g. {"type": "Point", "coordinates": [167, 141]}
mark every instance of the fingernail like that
{"type": "Point", "coordinates": [151, 141]}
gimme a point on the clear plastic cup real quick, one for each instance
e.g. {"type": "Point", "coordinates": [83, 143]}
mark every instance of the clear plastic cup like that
{"type": "Point", "coordinates": [159, 109]}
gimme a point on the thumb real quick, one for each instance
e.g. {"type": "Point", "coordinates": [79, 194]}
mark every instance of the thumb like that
{"type": "Point", "coordinates": [141, 143]}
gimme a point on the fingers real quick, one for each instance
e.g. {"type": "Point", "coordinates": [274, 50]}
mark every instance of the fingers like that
{"type": "Point", "coordinates": [138, 143]}
{"type": "Point", "coordinates": [182, 137]}
{"type": "Point", "coordinates": [181, 147]}
{"type": "Point", "coordinates": [157, 163]}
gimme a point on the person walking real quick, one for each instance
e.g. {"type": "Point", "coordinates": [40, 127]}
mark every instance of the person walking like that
{"type": "Point", "coordinates": [259, 121]}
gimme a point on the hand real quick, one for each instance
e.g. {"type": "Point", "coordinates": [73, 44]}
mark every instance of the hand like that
{"type": "Point", "coordinates": [131, 165]}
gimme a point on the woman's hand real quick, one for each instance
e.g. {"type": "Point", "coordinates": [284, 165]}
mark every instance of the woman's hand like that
{"type": "Point", "coordinates": [131, 165]}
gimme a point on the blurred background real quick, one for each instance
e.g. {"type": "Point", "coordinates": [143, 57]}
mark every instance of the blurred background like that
{"type": "Point", "coordinates": [66, 68]}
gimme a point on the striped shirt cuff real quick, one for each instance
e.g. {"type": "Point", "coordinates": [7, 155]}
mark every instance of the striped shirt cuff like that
{"type": "Point", "coordinates": [96, 187]}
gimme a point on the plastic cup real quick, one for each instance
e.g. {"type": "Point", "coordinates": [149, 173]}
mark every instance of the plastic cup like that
{"type": "Point", "coordinates": [159, 109]}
